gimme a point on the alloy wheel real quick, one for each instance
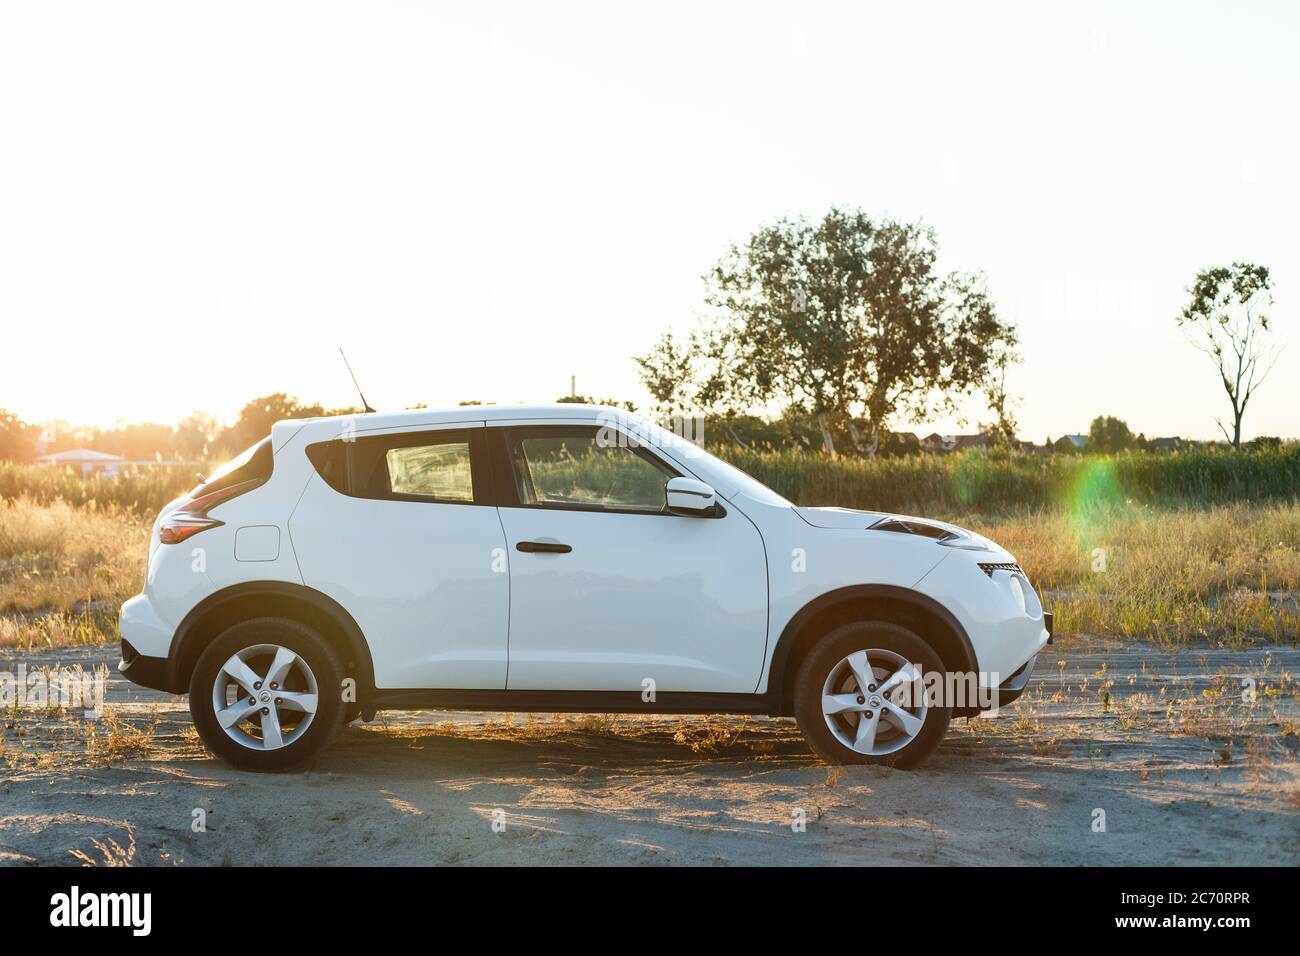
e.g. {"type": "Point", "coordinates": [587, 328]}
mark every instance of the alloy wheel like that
{"type": "Point", "coordinates": [265, 697]}
{"type": "Point", "coordinates": [873, 702]}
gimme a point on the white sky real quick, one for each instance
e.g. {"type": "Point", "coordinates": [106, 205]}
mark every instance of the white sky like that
{"type": "Point", "coordinates": [199, 203]}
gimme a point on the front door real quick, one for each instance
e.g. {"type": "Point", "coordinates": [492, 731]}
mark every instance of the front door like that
{"type": "Point", "coordinates": [609, 591]}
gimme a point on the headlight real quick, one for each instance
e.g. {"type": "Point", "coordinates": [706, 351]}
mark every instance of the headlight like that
{"type": "Point", "coordinates": [948, 537]}
{"type": "Point", "coordinates": [966, 541]}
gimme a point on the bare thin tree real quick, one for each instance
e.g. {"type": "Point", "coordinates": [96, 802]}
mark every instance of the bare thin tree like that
{"type": "Point", "coordinates": [1227, 322]}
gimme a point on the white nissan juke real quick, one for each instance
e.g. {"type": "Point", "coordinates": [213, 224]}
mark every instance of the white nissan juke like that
{"type": "Point", "coordinates": [559, 558]}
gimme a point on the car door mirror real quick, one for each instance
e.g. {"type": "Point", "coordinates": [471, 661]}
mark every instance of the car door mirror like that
{"type": "Point", "coordinates": [687, 496]}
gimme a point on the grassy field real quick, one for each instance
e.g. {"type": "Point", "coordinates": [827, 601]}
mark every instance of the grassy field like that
{"type": "Point", "coordinates": [1227, 574]}
{"type": "Point", "coordinates": [64, 571]}
{"type": "Point", "coordinates": [973, 482]}
{"type": "Point", "coordinates": [140, 490]}
{"type": "Point", "coordinates": [977, 482]}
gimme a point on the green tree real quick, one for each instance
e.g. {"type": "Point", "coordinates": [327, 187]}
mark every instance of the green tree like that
{"type": "Point", "coordinates": [257, 417]}
{"type": "Point", "coordinates": [1003, 426]}
{"type": "Point", "coordinates": [845, 318]}
{"type": "Point", "coordinates": [688, 377]}
{"type": "Point", "coordinates": [1227, 322]}
{"type": "Point", "coordinates": [1108, 434]}
{"type": "Point", "coordinates": [17, 438]}
{"type": "Point", "coordinates": [195, 434]}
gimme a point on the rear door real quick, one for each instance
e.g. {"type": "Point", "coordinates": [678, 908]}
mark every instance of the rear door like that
{"type": "Point", "coordinates": [608, 589]}
{"type": "Point", "coordinates": [401, 530]}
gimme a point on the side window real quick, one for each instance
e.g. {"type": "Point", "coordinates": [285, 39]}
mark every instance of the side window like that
{"type": "Point", "coordinates": [433, 471]}
{"type": "Point", "coordinates": [413, 466]}
{"type": "Point", "coordinates": [578, 468]}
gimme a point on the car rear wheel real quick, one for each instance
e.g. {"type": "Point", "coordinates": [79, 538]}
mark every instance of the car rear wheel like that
{"type": "Point", "coordinates": [265, 695]}
{"type": "Point", "coordinates": [860, 696]}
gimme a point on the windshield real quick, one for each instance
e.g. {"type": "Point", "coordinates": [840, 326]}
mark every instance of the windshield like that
{"type": "Point", "coordinates": [726, 479]}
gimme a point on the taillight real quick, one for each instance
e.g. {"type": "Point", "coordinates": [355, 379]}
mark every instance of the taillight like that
{"type": "Point", "coordinates": [192, 517]}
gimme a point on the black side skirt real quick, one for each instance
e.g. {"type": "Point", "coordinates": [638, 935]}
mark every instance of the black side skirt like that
{"type": "Point", "coordinates": [569, 701]}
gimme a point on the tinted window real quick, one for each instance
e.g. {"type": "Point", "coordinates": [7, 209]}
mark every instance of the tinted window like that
{"type": "Point", "coordinates": [428, 466]}
{"type": "Point", "coordinates": [435, 471]}
{"type": "Point", "coordinates": [254, 463]}
{"type": "Point", "coordinates": [574, 468]}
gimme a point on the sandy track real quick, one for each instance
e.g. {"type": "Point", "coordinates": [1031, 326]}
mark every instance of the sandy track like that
{"type": "Point", "coordinates": [1214, 781]}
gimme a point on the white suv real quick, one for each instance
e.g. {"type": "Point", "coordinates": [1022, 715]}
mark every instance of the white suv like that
{"type": "Point", "coordinates": [558, 558]}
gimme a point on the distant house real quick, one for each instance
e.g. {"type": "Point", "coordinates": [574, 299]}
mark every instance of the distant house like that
{"type": "Point", "coordinates": [941, 444]}
{"type": "Point", "coordinates": [87, 460]}
{"type": "Point", "coordinates": [1167, 444]}
{"type": "Point", "coordinates": [1071, 443]}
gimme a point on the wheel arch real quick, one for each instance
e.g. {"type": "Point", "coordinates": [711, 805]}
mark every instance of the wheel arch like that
{"type": "Point", "coordinates": [929, 619]}
{"type": "Point", "coordinates": [250, 599]}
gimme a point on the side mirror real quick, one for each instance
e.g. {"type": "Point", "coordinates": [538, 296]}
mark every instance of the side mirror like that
{"type": "Point", "coordinates": [687, 496]}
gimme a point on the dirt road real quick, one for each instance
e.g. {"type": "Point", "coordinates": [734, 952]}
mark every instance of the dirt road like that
{"type": "Point", "coordinates": [1162, 748]}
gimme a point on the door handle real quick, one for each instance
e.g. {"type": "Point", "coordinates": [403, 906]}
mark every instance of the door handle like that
{"type": "Point", "coordinates": [543, 547]}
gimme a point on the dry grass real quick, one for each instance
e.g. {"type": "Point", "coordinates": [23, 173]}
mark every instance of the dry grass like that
{"type": "Point", "coordinates": [111, 739]}
{"type": "Point", "coordinates": [1230, 574]}
{"type": "Point", "coordinates": [1225, 713]}
{"type": "Point", "coordinates": [42, 738]}
{"type": "Point", "coordinates": [111, 853]}
{"type": "Point", "coordinates": [1227, 574]}
{"type": "Point", "coordinates": [95, 625]}
{"type": "Point", "coordinates": [64, 571]}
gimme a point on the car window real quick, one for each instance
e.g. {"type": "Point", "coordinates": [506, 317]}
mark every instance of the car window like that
{"type": "Point", "coordinates": [254, 463]}
{"type": "Point", "coordinates": [432, 466]}
{"type": "Point", "coordinates": [725, 477]}
{"type": "Point", "coordinates": [434, 471]}
{"type": "Point", "coordinates": [576, 469]}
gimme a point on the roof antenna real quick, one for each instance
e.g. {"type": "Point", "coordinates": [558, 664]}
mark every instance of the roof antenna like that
{"type": "Point", "coordinates": [364, 403]}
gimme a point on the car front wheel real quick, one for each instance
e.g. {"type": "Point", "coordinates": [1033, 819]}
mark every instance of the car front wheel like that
{"type": "Point", "coordinates": [860, 696]}
{"type": "Point", "coordinates": [265, 695]}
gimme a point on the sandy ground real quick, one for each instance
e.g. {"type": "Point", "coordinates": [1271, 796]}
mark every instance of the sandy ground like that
{"type": "Point", "coordinates": [1184, 770]}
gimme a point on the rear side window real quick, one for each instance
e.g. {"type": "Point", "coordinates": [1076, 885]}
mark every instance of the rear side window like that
{"type": "Point", "coordinates": [432, 471]}
{"type": "Point", "coordinates": [439, 466]}
{"type": "Point", "coordinates": [252, 464]}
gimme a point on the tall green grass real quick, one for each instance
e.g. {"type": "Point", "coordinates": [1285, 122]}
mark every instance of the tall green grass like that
{"type": "Point", "coordinates": [992, 483]}
{"type": "Point", "coordinates": [983, 482]}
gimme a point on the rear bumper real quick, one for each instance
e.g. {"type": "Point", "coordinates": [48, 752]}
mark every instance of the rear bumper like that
{"type": "Point", "coordinates": [151, 672]}
{"type": "Point", "coordinates": [140, 623]}
{"type": "Point", "coordinates": [146, 645]}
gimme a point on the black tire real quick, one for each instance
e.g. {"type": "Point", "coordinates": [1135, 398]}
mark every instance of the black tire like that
{"type": "Point", "coordinates": [318, 656]}
{"type": "Point", "coordinates": [817, 667]}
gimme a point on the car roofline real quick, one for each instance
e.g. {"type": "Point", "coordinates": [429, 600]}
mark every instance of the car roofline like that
{"type": "Point", "coordinates": [418, 417]}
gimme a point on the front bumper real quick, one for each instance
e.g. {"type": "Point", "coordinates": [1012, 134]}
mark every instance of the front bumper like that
{"type": "Point", "coordinates": [1010, 689]}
